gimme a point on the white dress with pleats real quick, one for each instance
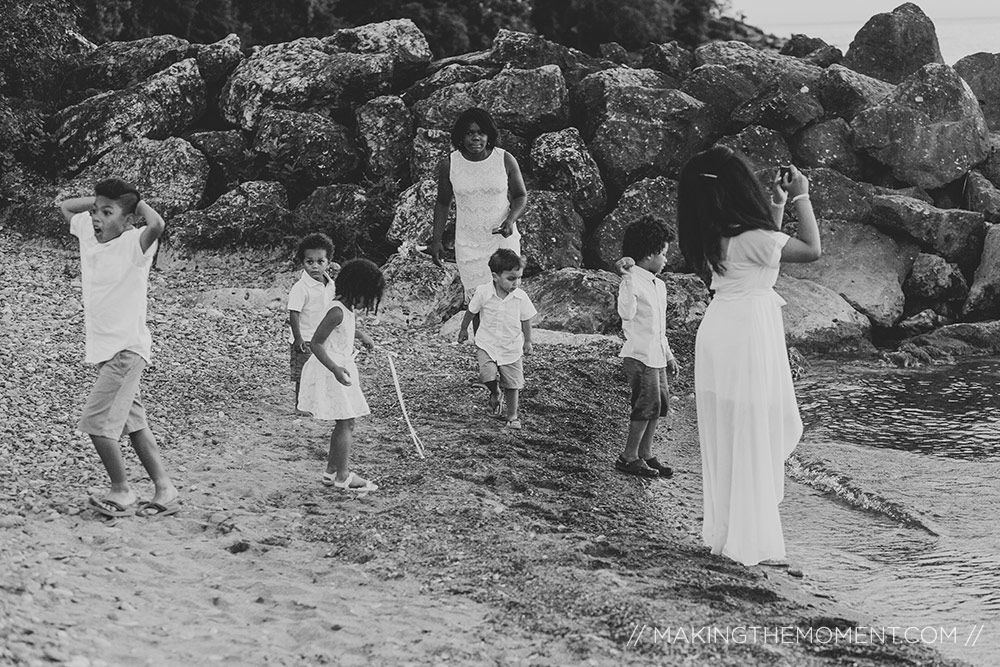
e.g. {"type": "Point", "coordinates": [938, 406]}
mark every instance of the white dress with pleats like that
{"type": "Point", "coordinates": [748, 419]}
{"type": "Point", "coordinates": [481, 204]}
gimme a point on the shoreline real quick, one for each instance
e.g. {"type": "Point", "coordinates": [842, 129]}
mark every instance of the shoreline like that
{"type": "Point", "coordinates": [498, 548]}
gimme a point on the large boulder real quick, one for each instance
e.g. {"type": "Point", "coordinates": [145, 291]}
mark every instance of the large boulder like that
{"type": "Point", "coordinates": [163, 105]}
{"type": "Point", "coordinates": [894, 45]}
{"type": "Point", "coordinates": [721, 88]}
{"type": "Point", "coordinates": [648, 132]}
{"type": "Point", "coordinates": [673, 59]}
{"type": "Point", "coordinates": [954, 234]}
{"type": "Point", "coordinates": [525, 101]}
{"type": "Point", "coordinates": [400, 39]}
{"type": "Point", "coordinates": [845, 93]}
{"type": "Point", "coordinates": [982, 72]}
{"type": "Point", "coordinates": [306, 149]}
{"type": "Point", "coordinates": [826, 144]}
{"type": "Point", "coordinates": [592, 96]}
{"type": "Point", "coordinates": [785, 104]}
{"type": "Point", "coordinates": [687, 299]}
{"type": "Point", "coordinates": [170, 174]}
{"type": "Point", "coordinates": [217, 60]}
{"type": "Point", "coordinates": [302, 76]}
{"type": "Point", "coordinates": [817, 319]}
{"type": "Point", "coordinates": [984, 295]}
{"type": "Point", "coordinates": [982, 196]}
{"type": "Point", "coordinates": [552, 232]}
{"type": "Point", "coordinates": [763, 148]}
{"type": "Point", "coordinates": [444, 77]}
{"type": "Point", "coordinates": [339, 211]}
{"type": "Point", "coordinates": [561, 161]}
{"type": "Point", "coordinates": [990, 167]}
{"type": "Point", "coordinates": [230, 161]}
{"type": "Point", "coordinates": [523, 50]}
{"type": "Point", "coordinates": [863, 266]}
{"type": "Point", "coordinates": [413, 222]}
{"type": "Point", "coordinates": [117, 65]}
{"type": "Point", "coordinates": [575, 300]}
{"type": "Point", "coordinates": [835, 196]}
{"type": "Point", "coordinates": [934, 284]}
{"type": "Point", "coordinates": [760, 67]}
{"type": "Point", "coordinates": [385, 130]}
{"type": "Point", "coordinates": [418, 292]}
{"type": "Point", "coordinates": [255, 214]}
{"type": "Point", "coordinates": [929, 130]}
{"type": "Point", "coordinates": [656, 196]}
{"type": "Point", "coordinates": [962, 339]}
{"type": "Point", "coordinates": [430, 146]}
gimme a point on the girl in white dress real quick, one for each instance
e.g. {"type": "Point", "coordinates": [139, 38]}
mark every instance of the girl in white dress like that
{"type": "Point", "coordinates": [489, 193]}
{"type": "Point", "coordinates": [748, 420]}
{"type": "Point", "coordinates": [329, 387]}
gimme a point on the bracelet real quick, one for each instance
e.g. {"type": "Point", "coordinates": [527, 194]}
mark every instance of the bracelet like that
{"type": "Point", "coordinates": [798, 197]}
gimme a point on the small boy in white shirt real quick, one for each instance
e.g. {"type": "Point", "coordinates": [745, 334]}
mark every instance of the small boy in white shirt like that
{"type": "Point", "coordinates": [308, 300]}
{"type": "Point", "coordinates": [115, 259]}
{"type": "Point", "coordinates": [642, 305]}
{"type": "Point", "coordinates": [504, 333]}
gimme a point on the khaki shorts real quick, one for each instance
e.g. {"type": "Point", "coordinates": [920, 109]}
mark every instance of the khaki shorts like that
{"type": "Point", "coordinates": [113, 408]}
{"type": "Point", "coordinates": [511, 376]}
{"type": "Point", "coordinates": [650, 392]}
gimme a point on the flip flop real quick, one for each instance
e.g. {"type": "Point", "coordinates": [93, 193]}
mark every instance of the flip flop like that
{"type": "Point", "coordinates": [150, 509]}
{"type": "Point", "coordinates": [111, 508]}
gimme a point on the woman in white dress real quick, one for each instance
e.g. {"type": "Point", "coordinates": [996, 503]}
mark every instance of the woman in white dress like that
{"type": "Point", "coordinates": [486, 184]}
{"type": "Point", "coordinates": [748, 420]}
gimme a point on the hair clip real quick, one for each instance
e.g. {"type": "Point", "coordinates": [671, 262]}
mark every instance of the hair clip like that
{"type": "Point", "coordinates": [709, 175]}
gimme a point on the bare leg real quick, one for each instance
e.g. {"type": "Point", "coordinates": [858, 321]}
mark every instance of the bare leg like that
{"type": "Point", "coordinates": [149, 455]}
{"type": "Point", "coordinates": [636, 433]}
{"type": "Point", "coordinates": [646, 443]}
{"type": "Point", "coordinates": [511, 396]}
{"type": "Point", "coordinates": [338, 461]}
{"type": "Point", "coordinates": [494, 388]}
{"type": "Point", "coordinates": [111, 456]}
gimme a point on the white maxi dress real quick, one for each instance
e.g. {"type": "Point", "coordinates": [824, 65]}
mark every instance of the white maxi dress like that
{"type": "Point", "coordinates": [748, 419]}
{"type": "Point", "coordinates": [481, 204]}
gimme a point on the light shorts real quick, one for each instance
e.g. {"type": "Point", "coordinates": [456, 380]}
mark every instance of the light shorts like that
{"type": "Point", "coordinates": [650, 391]}
{"type": "Point", "coordinates": [113, 408]}
{"type": "Point", "coordinates": [511, 376]}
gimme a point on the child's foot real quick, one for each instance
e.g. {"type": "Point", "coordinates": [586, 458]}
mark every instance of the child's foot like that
{"type": "Point", "coordinates": [654, 463]}
{"type": "Point", "coordinates": [114, 504]}
{"type": "Point", "coordinates": [637, 467]}
{"type": "Point", "coordinates": [514, 423]}
{"type": "Point", "coordinates": [354, 483]}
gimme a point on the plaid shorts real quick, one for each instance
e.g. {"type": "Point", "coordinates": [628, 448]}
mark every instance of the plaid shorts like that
{"type": "Point", "coordinates": [650, 391]}
{"type": "Point", "coordinates": [113, 408]}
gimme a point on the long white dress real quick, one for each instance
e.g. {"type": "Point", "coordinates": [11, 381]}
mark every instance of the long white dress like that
{"type": "Point", "coordinates": [748, 420]}
{"type": "Point", "coordinates": [319, 390]}
{"type": "Point", "coordinates": [481, 204]}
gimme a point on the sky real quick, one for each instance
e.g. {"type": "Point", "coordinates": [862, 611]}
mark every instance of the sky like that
{"type": "Point", "coordinates": [963, 27]}
{"type": "Point", "coordinates": [764, 13]}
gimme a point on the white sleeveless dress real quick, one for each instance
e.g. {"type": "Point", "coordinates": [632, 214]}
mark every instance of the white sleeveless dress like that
{"type": "Point", "coordinates": [319, 390]}
{"type": "Point", "coordinates": [481, 204]}
{"type": "Point", "coordinates": [748, 420]}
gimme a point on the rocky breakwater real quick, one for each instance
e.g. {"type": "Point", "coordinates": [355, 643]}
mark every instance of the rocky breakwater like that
{"type": "Point", "coordinates": [341, 134]}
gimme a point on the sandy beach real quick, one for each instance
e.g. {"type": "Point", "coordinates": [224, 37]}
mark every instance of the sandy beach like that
{"type": "Point", "coordinates": [498, 548]}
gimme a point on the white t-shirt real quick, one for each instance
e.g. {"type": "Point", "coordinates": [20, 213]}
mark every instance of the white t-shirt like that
{"type": "Point", "coordinates": [115, 279]}
{"type": "Point", "coordinates": [500, 333]}
{"type": "Point", "coordinates": [310, 299]}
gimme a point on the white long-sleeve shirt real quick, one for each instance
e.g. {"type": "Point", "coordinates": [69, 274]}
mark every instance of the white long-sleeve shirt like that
{"type": "Point", "coordinates": [642, 305]}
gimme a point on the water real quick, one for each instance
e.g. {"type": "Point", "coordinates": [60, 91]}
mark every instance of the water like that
{"type": "Point", "coordinates": [895, 503]}
{"type": "Point", "coordinates": [956, 37]}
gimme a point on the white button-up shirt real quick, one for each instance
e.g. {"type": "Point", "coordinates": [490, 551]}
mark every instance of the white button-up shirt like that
{"type": "Point", "coordinates": [642, 305]}
{"type": "Point", "coordinates": [499, 333]}
{"type": "Point", "coordinates": [310, 299]}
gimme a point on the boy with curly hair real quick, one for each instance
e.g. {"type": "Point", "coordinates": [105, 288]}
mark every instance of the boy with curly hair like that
{"type": "Point", "coordinates": [642, 305]}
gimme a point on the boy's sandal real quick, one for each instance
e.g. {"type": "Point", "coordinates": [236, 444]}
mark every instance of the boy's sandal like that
{"type": "Point", "coordinates": [654, 463]}
{"type": "Point", "coordinates": [637, 468]}
{"type": "Point", "coordinates": [513, 423]}
{"type": "Point", "coordinates": [352, 484]}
